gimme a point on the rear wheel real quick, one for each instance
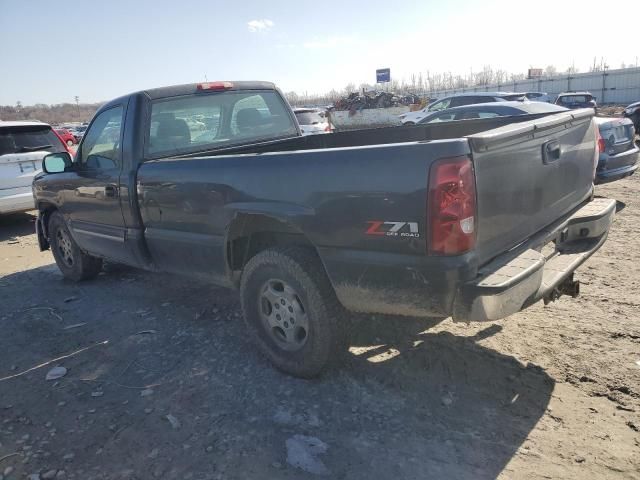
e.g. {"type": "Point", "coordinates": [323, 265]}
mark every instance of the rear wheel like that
{"type": "Point", "coordinates": [73, 263]}
{"type": "Point", "coordinates": [292, 312]}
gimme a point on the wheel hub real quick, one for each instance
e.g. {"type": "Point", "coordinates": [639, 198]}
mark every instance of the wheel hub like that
{"type": "Point", "coordinates": [283, 314]}
{"type": "Point", "coordinates": [64, 247]}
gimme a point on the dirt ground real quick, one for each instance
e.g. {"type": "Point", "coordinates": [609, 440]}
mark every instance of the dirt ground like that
{"type": "Point", "coordinates": [162, 381]}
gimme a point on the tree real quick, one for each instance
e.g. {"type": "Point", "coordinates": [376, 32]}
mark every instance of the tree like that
{"type": "Point", "coordinates": [550, 71]}
{"type": "Point", "coordinates": [351, 87]}
{"type": "Point", "coordinates": [572, 70]}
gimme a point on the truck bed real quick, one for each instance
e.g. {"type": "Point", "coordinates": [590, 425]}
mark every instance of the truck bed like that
{"type": "Point", "coordinates": [330, 188]}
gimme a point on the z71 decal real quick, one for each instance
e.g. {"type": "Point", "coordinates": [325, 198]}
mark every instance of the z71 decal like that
{"type": "Point", "coordinates": [393, 229]}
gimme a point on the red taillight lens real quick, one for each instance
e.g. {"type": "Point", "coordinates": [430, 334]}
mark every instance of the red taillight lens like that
{"type": "Point", "coordinates": [602, 145]}
{"type": "Point", "coordinates": [451, 207]}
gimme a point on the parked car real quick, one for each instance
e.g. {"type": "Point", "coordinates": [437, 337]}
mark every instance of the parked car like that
{"type": "Point", "coordinates": [312, 121]}
{"type": "Point", "coordinates": [633, 112]}
{"type": "Point", "coordinates": [618, 151]}
{"type": "Point", "coordinates": [537, 96]}
{"type": "Point", "coordinates": [574, 100]}
{"type": "Point", "coordinates": [307, 227]}
{"type": "Point", "coordinates": [78, 132]}
{"type": "Point", "coordinates": [459, 100]}
{"type": "Point", "coordinates": [490, 110]}
{"type": "Point", "coordinates": [66, 136]}
{"type": "Point", "coordinates": [22, 148]}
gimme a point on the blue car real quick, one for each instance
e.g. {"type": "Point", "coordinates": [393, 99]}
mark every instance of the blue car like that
{"type": "Point", "coordinates": [618, 152]}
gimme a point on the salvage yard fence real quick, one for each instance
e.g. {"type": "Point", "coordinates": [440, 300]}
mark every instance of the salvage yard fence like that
{"type": "Point", "coordinates": [620, 86]}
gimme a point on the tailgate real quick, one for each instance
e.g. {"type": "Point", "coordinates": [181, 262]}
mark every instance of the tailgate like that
{"type": "Point", "coordinates": [529, 175]}
{"type": "Point", "coordinates": [18, 169]}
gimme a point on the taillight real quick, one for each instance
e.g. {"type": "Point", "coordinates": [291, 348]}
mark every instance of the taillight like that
{"type": "Point", "coordinates": [602, 144]}
{"type": "Point", "coordinates": [214, 86]}
{"type": "Point", "coordinates": [451, 207]}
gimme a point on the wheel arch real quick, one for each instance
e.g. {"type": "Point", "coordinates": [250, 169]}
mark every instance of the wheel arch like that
{"type": "Point", "coordinates": [45, 210]}
{"type": "Point", "coordinates": [251, 232]}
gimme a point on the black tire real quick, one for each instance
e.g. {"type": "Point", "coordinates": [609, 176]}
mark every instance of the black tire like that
{"type": "Point", "coordinates": [325, 336]}
{"type": "Point", "coordinates": [409, 123]}
{"type": "Point", "coordinates": [74, 264]}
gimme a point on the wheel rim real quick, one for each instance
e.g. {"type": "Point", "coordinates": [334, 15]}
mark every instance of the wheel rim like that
{"type": "Point", "coordinates": [64, 247]}
{"type": "Point", "coordinates": [69, 142]}
{"type": "Point", "coordinates": [283, 315]}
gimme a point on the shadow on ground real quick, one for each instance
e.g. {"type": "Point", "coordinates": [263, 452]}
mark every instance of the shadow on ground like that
{"type": "Point", "coordinates": [406, 404]}
{"type": "Point", "coordinates": [16, 225]}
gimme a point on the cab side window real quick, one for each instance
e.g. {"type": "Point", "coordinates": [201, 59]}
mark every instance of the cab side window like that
{"type": "Point", "coordinates": [101, 148]}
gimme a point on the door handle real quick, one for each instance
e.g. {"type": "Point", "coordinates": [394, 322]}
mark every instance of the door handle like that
{"type": "Point", "coordinates": [551, 151]}
{"type": "Point", "coordinates": [110, 191]}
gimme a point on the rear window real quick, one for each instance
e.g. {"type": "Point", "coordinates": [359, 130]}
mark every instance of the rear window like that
{"type": "Point", "coordinates": [29, 139]}
{"type": "Point", "coordinates": [208, 121]}
{"type": "Point", "coordinates": [309, 118]}
{"type": "Point", "coordinates": [575, 99]}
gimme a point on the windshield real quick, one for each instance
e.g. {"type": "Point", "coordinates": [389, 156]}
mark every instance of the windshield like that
{"type": "Point", "coordinates": [201, 122]}
{"type": "Point", "coordinates": [29, 139]}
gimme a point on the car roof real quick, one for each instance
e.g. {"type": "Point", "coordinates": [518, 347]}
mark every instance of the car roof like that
{"type": "Point", "coordinates": [526, 107]}
{"type": "Point", "coordinates": [484, 94]}
{"type": "Point", "coordinates": [22, 123]}
{"type": "Point", "coordinates": [575, 93]}
{"type": "Point", "coordinates": [306, 109]}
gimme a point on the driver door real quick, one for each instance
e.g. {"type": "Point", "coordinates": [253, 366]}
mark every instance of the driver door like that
{"type": "Point", "coordinates": [92, 201]}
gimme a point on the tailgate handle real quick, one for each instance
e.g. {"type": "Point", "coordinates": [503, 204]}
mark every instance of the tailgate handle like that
{"type": "Point", "coordinates": [551, 151]}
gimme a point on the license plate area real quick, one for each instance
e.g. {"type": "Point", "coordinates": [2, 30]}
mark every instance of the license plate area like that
{"type": "Point", "coordinates": [27, 167]}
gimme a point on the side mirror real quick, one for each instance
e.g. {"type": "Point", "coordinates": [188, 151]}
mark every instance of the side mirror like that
{"type": "Point", "coordinates": [56, 162]}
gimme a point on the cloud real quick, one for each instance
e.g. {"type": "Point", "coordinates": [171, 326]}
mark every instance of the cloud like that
{"type": "Point", "coordinates": [262, 25]}
{"type": "Point", "coordinates": [329, 42]}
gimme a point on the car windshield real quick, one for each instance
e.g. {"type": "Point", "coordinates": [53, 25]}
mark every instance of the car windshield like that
{"type": "Point", "coordinates": [309, 118]}
{"type": "Point", "coordinates": [29, 139]}
{"type": "Point", "coordinates": [200, 122]}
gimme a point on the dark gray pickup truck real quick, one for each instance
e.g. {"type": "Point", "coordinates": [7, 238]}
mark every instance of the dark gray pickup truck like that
{"type": "Point", "coordinates": [476, 219]}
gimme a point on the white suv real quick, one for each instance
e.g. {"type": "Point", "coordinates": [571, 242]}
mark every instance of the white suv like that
{"type": "Point", "coordinates": [22, 147]}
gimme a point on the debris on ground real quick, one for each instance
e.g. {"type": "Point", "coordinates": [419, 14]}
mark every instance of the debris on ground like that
{"type": "Point", "coordinates": [303, 452]}
{"type": "Point", "coordinates": [175, 423]}
{"type": "Point", "coordinates": [55, 373]}
{"type": "Point", "coordinates": [374, 99]}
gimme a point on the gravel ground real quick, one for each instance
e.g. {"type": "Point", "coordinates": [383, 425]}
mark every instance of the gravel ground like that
{"type": "Point", "coordinates": [162, 382]}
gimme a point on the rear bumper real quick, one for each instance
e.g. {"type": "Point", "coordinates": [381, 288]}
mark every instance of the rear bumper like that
{"type": "Point", "coordinates": [16, 200]}
{"type": "Point", "coordinates": [615, 167]}
{"type": "Point", "coordinates": [518, 279]}
{"type": "Point", "coordinates": [428, 286]}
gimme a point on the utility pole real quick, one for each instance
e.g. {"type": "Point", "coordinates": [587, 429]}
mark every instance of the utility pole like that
{"type": "Point", "coordinates": [78, 106]}
{"type": "Point", "coordinates": [605, 67]}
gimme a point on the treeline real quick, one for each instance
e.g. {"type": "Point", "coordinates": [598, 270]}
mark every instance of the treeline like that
{"type": "Point", "coordinates": [52, 114]}
{"type": "Point", "coordinates": [424, 85]}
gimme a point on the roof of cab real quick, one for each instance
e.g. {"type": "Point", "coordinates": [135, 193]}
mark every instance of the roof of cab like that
{"type": "Point", "coordinates": [187, 88]}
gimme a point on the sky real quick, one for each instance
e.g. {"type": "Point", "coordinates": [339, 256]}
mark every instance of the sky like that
{"type": "Point", "coordinates": [100, 49]}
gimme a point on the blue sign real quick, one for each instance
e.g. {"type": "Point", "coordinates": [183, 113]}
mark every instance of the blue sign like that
{"type": "Point", "coordinates": [383, 75]}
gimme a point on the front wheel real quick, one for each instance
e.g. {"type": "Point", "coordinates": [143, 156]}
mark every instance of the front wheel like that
{"type": "Point", "coordinates": [74, 264]}
{"type": "Point", "coordinates": [292, 312]}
